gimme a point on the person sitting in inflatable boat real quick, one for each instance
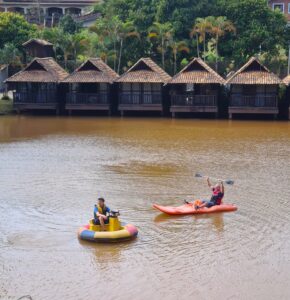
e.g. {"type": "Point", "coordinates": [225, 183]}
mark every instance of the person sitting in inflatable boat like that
{"type": "Point", "coordinates": [218, 192]}
{"type": "Point", "coordinates": [101, 213]}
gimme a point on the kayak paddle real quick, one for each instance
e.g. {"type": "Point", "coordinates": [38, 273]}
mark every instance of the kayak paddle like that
{"type": "Point", "coordinates": [227, 181]}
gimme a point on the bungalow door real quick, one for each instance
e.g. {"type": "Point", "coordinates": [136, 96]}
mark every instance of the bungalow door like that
{"type": "Point", "coordinates": [104, 92]}
{"type": "Point", "coordinates": [147, 93]}
{"type": "Point", "coordinates": [136, 93]}
{"type": "Point", "coordinates": [250, 95]}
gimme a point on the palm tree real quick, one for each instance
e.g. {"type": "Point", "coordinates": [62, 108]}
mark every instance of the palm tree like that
{"type": "Point", "coordinates": [126, 30]}
{"type": "Point", "coordinates": [176, 47]}
{"type": "Point", "coordinates": [79, 44]}
{"type": "Point", "coordinates": [219, 27]}
{"type": "Point", "coordinates": [163, 33]}
{"type": "Point", "coordinates": [108, 29]}
{"type": "Point", "coordinates": [10, 54]}
{"type": "Point", "coordinates": [200, 29]}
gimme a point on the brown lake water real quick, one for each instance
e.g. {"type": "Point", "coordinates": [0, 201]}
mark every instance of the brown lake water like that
{"type": "Point", "coordinates": [53, 169]}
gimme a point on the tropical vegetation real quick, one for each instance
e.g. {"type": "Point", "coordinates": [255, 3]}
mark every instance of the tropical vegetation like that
{"type": "Point", "coordinates": [225, 33]}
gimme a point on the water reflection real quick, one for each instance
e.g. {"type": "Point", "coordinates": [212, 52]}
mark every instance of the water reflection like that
{"type": "Point", "coordinates": [50, 177]}
{"type": "Point", "coordinates": [107, 253]}
{"type": "Point", "coordinates": [216, 220]}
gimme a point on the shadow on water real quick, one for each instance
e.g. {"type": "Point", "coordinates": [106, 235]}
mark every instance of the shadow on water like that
{"type": "Point", "coordinates": [217, 220]}
{"type": "Point", "coordinates": [107, 252]}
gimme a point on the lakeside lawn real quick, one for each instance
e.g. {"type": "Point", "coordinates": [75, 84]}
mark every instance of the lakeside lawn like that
{"type": "Point", "coordinates": [6, 106]}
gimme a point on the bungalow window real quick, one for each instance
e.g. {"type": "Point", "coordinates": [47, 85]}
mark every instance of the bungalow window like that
{"type": "Point", "coordinates": [136, 87]}
{"type": "Point", "coordinates": [103, 87]}
{"type": "Point", "coordinates": [279, 6]}
{"type": "Point", "coordinates": [190, 87]}
{"type": "Point", "coordinates": [147, 88]}
{"type": "Point", "coordinates": [74, 87]}
{"type": "Point", "coordinates": [156, 88]}
{"type": "Point", "coordinates": [126, 87]}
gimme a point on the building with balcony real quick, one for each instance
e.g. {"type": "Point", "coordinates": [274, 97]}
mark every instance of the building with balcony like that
{"type": "Point", "coordinates": [38, 86]}
{"type": "Point", "coordinates": [141, 88]}
{"type": "Point", "coordinates": [91, 87]}
{"type": "Point", "coordinates": [195, 89]}
{"type": "Point", "coordinates": [46, 12]}
{"type": "Point", "coordinates": [253, 90]}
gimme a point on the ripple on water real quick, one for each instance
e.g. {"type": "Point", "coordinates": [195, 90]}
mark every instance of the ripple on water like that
{"type": "Point", "coordinates": [52, 170]}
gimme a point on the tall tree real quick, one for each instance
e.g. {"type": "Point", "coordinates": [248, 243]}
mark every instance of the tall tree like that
{"type": "Point", "coordinates": [69, 25]}
{"type": "Point", "coordinates": [177, 47]}
{"type": "Point", "coordinates": [15, 29]}
{"type": "Point", "coordinates": [9, 54]}
{"type": "Point", "coordinates": [256, 26]}
{"type": "Point", "coordinates": [126, 30]}
{"type": "Point", "coordinates": [162, 33]}
{"type": "Point", "coordinates": [201, 28]}
{"type": "Point", "coordinates": [108, 27]}
{"type": "Point", "coordinates": [219, 26]}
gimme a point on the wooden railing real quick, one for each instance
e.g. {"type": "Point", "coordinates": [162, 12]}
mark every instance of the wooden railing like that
{"type": "Point", "coordinates": [42, 97]}
{"type": "Point", "coordinates": [140, 98]}
{"type": "Point", "coordinates": [254, 101]}
{"type": "Point", "coordinates": [193, 100]}
{"type": "Point", "coordinates": [87, 98]}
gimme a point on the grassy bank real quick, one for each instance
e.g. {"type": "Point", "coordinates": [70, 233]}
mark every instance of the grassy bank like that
{"type": "Point", "coordinates": [6, 107]}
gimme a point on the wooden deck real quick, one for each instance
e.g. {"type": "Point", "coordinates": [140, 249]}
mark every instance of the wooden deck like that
{"type": "Point", "coordinates": [259, 104]}
{"type": "Point", "coordinates": [140, 102]}
{"type": "Point", "coordinates": [87, 101]}
{"type": "Point", "coordinates": [193, 103]}
{"type": "Point", "coordinates": [44, 100]}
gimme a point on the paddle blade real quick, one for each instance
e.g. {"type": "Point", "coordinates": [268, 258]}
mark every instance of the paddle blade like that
{"type": "Point", "coordinates": [230, 182]}
{"type": "Point", "coordinates": [198, 175]}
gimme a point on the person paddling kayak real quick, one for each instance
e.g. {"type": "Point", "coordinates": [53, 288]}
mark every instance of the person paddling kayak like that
{"type": "Point", "coordinates": [101, 212]}
{"type": "Point", "coordinates": [218, 192]}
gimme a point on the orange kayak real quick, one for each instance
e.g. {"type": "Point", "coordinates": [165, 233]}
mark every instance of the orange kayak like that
{"type": "Point", "coordinates": [188, 209]}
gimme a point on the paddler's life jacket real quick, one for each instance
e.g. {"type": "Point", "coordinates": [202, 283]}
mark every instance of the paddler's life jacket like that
{"type": "Point", "coordinates": [101, 210]}
{"type": "Point", "coordinates": [217, 197]}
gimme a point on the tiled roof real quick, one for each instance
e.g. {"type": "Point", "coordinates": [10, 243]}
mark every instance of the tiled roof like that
{"type": "Point", "coordinates": [40, 70]}
{"type": "Point", "coordinates": [2, 67]}
{"type": "Point", "coordinates": [93, 70]}
{"type": "Point", "coordinates": [38, 41]}
{"type": "Point", "coordinates": [145, 70]}
{"type": "Point", "coordinates": [286, 80]}
{"type": "Point", "coordinates": [197, 71]}
{"type": "Point", "coordinates": [253, 72]}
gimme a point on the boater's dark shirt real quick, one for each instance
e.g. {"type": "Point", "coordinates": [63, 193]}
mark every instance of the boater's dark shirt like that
{"type": "Point", "coordinates": [217, 199]}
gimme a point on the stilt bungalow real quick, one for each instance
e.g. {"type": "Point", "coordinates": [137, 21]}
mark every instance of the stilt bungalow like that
{"type": "Point", "coordinates": [141, 88]}
{"type": "Point", "coordinates": [37, 87]}
{"type": "Point", "coordinates": [195, 89]}
{"type": "Point", "coordinates": [253, 90]}
{"type": "Point", "coordinates": [286, 81]}
{"type": "Point", "coordinates": [91, 87]}
{"type": "Point", "coordinates": [38, 48]}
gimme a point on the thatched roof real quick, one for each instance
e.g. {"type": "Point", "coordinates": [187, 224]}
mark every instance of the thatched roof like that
{"type": "Point", "coordinates": [197, 71]}
{"type": "Point", "coordinates": [93, 70]}
{"type": "Point", "coordinates": [286, 80]}
{"type": "Point", "coordinates": [253, 72]}
{"type": "Point", "coordinates": [40, 70]}
{"type": "Point", "coordinates": [37, 41]}
{"type": "Point", "coordinates": [145, 70]}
